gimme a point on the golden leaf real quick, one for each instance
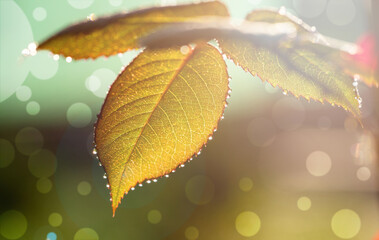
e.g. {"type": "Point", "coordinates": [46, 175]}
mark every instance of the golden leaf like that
{"type": "Point", "coordinates": [159, 112]}
{"type": "Point", "coordinates": [119, 33]}
{"type": "Point", "coordinates": [300, 67]}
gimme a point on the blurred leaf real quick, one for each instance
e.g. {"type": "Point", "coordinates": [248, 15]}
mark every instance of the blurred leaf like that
{"type": "Point", "coordinates": [214, 28]}
{"type": "Point", "coordinates": [296, 66]}
{"type": "Point", "coordinates": [159, 112]}
{"type": "Point", "coordinates": [119, 33]}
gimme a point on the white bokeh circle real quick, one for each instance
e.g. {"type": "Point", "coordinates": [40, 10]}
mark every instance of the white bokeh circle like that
{"type": "Point", "coordinates": [341, 12]}
{"type": "Point", "coordinates": [79, 115]}
{"type": "Point", "coordinates": [100, 81]}
{"type": "Point", "coordinates": [39, 14]}
{"type": "Point", "coordinates": [33, 108]}
{"type": "Point", "coordinates": [23, 93]}
{"type": "Point", "coordinates": [42, 65]}
{"type": "Point", "coordinates": [80, 4]}
{"type": "Point", "coordinates": [309, 8]}
{"type": "Point", "coordinates": [363, 173]}
{"type": "Point", "coordinates": [13, 69]}
{"type": "Point", "coordinates": [318, 163]}
{"type": "Point", "coordinates": [115, 3]}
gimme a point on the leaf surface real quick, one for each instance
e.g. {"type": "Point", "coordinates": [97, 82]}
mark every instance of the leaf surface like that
{"type": "Point", "coordinates": [158, 113]}
{"type": "Point", "coordinates": [119, 33]}
{"type": "Point", "coordinates": [302, 68]}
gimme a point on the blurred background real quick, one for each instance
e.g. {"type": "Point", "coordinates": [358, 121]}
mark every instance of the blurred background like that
{"type": "Point", "coordinates": [277, 168]}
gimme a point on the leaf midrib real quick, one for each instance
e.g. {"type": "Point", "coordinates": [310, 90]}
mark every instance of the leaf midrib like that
{"type": "Point", "coordinates": [184, 62]}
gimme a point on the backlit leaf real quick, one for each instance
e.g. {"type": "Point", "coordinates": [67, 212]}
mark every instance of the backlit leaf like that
{"type": "Point", "coordinates": [159, 112]}
{"type": "Point", "coordinates": [214, 28]}
{"type": "Point", "coordinates": [299, 67]}
{"type": "Point", "coordinates": [119, 33]}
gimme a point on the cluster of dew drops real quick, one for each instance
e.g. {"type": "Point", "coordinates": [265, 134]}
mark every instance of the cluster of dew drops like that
{"type": "Point", "coordinates": [356, 91]}
{"type": "Point", "coordinates": [31, 50]}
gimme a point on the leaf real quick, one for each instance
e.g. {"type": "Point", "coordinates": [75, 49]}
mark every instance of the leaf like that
{"type": "Point", "coordinates": [158, 113]}
{"type": "Point", "coordinates": [214, 28]}
{"type": "Point", "coordinates": [119, 33]}
{"type": "Point", "coordinates": [298, 67]}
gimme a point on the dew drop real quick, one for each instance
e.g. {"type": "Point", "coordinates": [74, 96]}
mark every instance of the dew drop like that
{"type": "Point", "coordinates": [148, 181]}
{"type": "Point", "coordinates": [91, 17]}
{"type": "Point", "coordinates": [173, 171]}
{"type": "Point", "coordinates": [68, 59]}
{"type": "Point", "coordinates": [184, 49]}
{"type": "Point", "coordinates": [210, 138]}
{"type": "Point", "coordinates": [222, 117]}
{"type": "Point", "coordinates": [94, 151]}
{"type": "Point", "coordinates": [199, 152]}
{"type": "Point", "coordinates": [282, 10]}
{"type": "Point", "coordinates": [285, 93]}
{"type": "Point", "coordinates": [55, 57]}
{"type": "Point", "coordinates": [155, 180]}
{"type": "Point", "coordinates": [140, 184]}
{"type": "Point", "coordinates": [230, 91]}
{"type": "Point", "coordinates": [313, 29]}
{"type": "Point", "coordinates": [224, 56]}
{"type": "Point", "coordinates": [355, 84]}
{"type": "Point", "coordinates": [107, 186]}
{"type": "Point", "coordinates": [166, 175]}
{"type": "Point", "coordinates": [132, 188]}
{"type": "Point", "coordinates": [191, 159]}
{"type": "Point", "coordinates": [214, 130]}
{"type": "Point", "coordinates": [100, 164]}
{"type": "Point", "coordinates": [110, 199]}
{"type": "Point", "coordinates": [25, 52]}
{"type": "Point", "coordinates": [182, 165]}
{"type": "Point", "coordinates": [32, 46]}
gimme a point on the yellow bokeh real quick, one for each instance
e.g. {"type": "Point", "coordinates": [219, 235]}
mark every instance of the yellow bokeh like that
{"type": "Point", "coordinates": [55, 219]}
{"type": "Point", "coordinates": [346, 223]}
{"type": "Point", "coordinates": [248, 224]}
{"type": "Point", "coordinates": [154, 216]}
{"type": "Point", "coordinates": [191, 233]}
{"type": "Point", "coordinates": [245, 184]}
{"type": "Point", "coordinates": [86, 234]}
{"type": "Point", "coordinates": [84, 188]}
{"type": "Point", "coordinates": [304, 203]}
{"type": "Point", "coordinates": [13, 224]}
{"type": "Point", "coordinates": [44, 185]}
